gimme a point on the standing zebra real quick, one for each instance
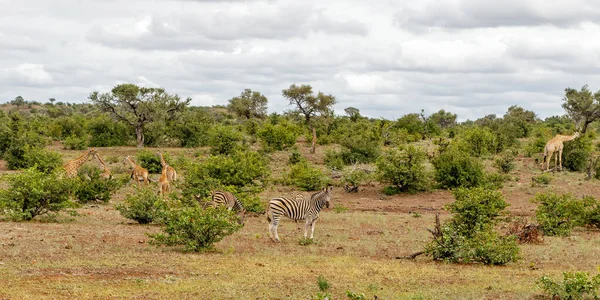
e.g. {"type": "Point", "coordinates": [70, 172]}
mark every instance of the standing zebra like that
{"type": "Point", "coordinates": [297, 208]}
{"type": "Point", "coordinates": [228, 200]}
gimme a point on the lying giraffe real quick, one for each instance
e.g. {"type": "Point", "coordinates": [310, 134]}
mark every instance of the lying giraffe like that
{"type": "Point", "coordinates": [163, 181]}
{"type": "Point", "coordinates": [555, 146]}
{"type": "Point", "coordinates": [106, 174]}
{"type": "Point", "coordinates": [138, 171]}
{"type": "Point", "coordinates": [72, 166]}
{"type": "Point", "coordinates": [171, 173]}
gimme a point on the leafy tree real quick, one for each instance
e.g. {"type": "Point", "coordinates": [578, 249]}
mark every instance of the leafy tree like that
{"type": "Point", "coordinates": [249, 105]}
{"type": "Point", "coordinates": [582, 106]}
{"type": "Point", "coordinates": [522, 119]}
{"type": "Point", "coordinates": [138, 106]}
{"type": "Point", "coordinates": [412, 123]}
{"type": "Point", "coordinates": [443, 119]}
{"type": "Point", "coordinates": [18, 101]}
{"type": "Point", "coordinates": [309, 105]}
{"type": "Point", "coordinates": [353, 113]}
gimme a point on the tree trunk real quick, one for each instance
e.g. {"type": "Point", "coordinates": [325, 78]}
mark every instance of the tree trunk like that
{"type": "Point", "coordinates": [139, 133]}
{"type": "Point", "coordinates": [585, 126]}
{"type": "Point", "coordinates": [314, 140]}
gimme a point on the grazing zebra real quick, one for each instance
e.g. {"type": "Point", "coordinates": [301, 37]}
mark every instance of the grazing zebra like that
{"type": "Point", "coordinates": [297, 208]}
{"type": "Point", "coordinates": [228, 200]}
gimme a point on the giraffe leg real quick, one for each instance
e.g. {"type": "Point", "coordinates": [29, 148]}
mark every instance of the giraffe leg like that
{"type": "Point", "coordinates": [560, 158]}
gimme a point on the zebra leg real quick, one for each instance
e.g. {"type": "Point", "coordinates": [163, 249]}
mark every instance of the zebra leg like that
{"type": "Point", "coordinates": [306, 225]}
{"type": "Point", "coordinates": [274, 225]}
{"type": "Point", "coordinates": [312, 229]}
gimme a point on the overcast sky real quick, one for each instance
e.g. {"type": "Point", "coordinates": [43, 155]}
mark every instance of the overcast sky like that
{"type": "Point", "coordinates": [387, 58]}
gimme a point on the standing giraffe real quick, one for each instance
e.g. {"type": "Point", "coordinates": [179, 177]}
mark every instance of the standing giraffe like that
{"type": "Point", "coordinates": [163, 181]}
{"type": "Point", "coordinates": [106, 173]}
{"type": "Point", "coordinates": [72, 166]}
{"type": "Point", "coordinates": [555, 146]}
{"type": "Point", "coordinates": [138, 171]}
{"type": "Point", "coordinates": [171, 173]}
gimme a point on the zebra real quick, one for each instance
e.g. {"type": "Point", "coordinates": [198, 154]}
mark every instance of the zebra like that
{"type": "Point", "coordinates": [228, 200]}
{"type": "Point", "coordinates": [297, 208]}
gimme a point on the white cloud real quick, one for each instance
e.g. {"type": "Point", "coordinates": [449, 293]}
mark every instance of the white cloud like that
{"type": "Point", "coordinates": [387, 58]}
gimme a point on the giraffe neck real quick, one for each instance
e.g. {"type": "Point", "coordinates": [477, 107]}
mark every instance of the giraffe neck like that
{"type": "Point", "coordinates": [162, 160]}
{"type": "Point", "coordinates": [101, 161]}
{"type": "Point", "coordinates": [134, 165]}
{"type": "Point", "coordinates": [81, 159]}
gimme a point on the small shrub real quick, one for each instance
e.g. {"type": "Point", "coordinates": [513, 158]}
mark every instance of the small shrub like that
{"type": "Point", "coordinates": [295, 157]}
{"type": "Point", "coordinates": [224, 140]}
{"type": "Point", "coordinates": [278, 136]}
{"type": "Point", "coordinates": [306, 177]}
{"type": "Point", "coordinates": [478, 141]}
{"type": "Point", "coordinates": [505, 162]}
{"type": "Point", "coordinates": [34, 193]}
{"type": "Point", "coordinates": [338, 208]}
{"type": "Point", "coordinates": [334, 160]}
{"type": "Point", "coordinates": [144, 207]}
{"type": "Point", "coordinates": [558, 214]}
{"type": "Point", "coordinates": [576, 153]}
{"type": "Point", "coordinates": [96, 188]}
{"type": "Point", "coordinates": [324, 286]}
{"type": "Point", "coordinates": [404, 169]}
{"type": "Point", "coordinates": [469, 236]}
{"type": "Point", "coordinates": [542, 180]}
{"type": "Point", "coordinates": [150, 160]}
{"type": "Point", "coordinates": [74, 143]}
{"type": "Point", "coordinates": [577, 285]}
{"type": "Point", "coordinates": [495, 180]}
{"type": "Point", "coordinates": [43, 160]}
{"type": "Point", "coordinates": [252, 203]}
{"type": "Point", "coordinates": [195, 228]}
{"type": "Point", "coordinates": [455, 169]}
{"type": "Point", "coordinates": [353, 179]}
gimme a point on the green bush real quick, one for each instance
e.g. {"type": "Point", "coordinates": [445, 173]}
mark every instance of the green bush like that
{"type": "Point", "coordinates": [278, 137]}
{"type": "Point", "coordinates": [195, 228]}
{"type": "Point", "coordinates": [543, 180]}
{"type": "Point", "coordinates": [577, 285]}
{"type": "Point", "coordinates": [306, 177]}
{"type": "Point", "coordinates": [558, 214]}
{"type": "Point", "coordinates": [105, 132]}
{"type": "Point", "coordinates": [478, 141]}
{"type": "Point", "coordinates": [476, 208]}
{"type": "Point", "coordinates": [224, 140]}
{"type": "Point", "coordinates": [505, 161]}
{"type": "Point", "coordinates": [353, 179]}
{"type": "Point", "coordinates": [95, 188]}
{"type": "Point", "coordinates": [150, 160]}
{"type": "Point", "coordinates": [144, 207]}
{"type": "Point", "coordinates": [295, 157]}
{"type": "Point", "coordinates": [247, 171]}
{"type": "Point", "coordinates": [43, 160]}
{"type": "Point", "coordinates": [455, 169]}
{"type": "Point", "coordinates": [74, 143]}
{"type": "Point", "coordinates": [469, 236]}
{"type": "Point", "coordinates": [34, 193]}
{"type": "Point", "coordinates": [576, 153]}
{"type": "Point", "coordinates": [334, 160]}
{"type": "Point", "coordinates": [404, 169]}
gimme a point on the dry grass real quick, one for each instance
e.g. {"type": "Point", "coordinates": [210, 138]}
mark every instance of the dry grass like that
{"type": "Point", "coordinates": [102, 255]}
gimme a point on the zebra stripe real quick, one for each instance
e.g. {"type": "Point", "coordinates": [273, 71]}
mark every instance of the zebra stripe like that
{"type": "Point", "coordinates": [297, 208]}
{"type": "Point", "coordinates": [228, 200]}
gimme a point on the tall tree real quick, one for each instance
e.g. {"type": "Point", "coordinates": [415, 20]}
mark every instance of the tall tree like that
{"type": "Point", "coordinates": [353, 113]}
{"type": "Point", "coordinates": [249, 105]}
{"type": "Point", "coordinates": [137, 106]}
{"type": "Point", "coordinates": [444, 119]}
{"type": "Point", "coordinates": [309, 105]}
{"type": "Point", "coordinates": [18, 101]}
{"type": "Point", "coordinates": [582, 106]}
{"type": "Point", "coordinates": [520, 118]}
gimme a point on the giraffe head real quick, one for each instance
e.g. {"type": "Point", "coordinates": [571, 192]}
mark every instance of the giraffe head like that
{"type": "Point", "coordinates": [125, 159]}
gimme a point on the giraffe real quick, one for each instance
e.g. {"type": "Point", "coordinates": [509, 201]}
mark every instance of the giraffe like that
{"type": "Point", "coordinates": [106, 174]}
{"type": "Point", "coordinates": [171, 173]}
{"type": "Point", "coordinates": [555, 146]}
{"type": "Point", "coordinates": [138, 171]}
{"type": "Point", "coordinates": [72, 166]}
{"type": "Point", "coordinates": [163, 181]}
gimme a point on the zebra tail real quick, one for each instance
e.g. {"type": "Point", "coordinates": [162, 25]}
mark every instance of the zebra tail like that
{"type": "Point", "coordinates": [268, 214]}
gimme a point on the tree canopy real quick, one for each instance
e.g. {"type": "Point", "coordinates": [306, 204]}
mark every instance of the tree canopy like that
{"type": "Point", "coordinates": [582, 106]}
{"type": "Point", "coordinates": [249, 105]}
{"type": "Point", "coordinates": [137, 106]}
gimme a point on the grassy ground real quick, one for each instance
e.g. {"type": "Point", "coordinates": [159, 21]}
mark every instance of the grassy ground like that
{"type": "Point", "coordinates": [101, 255]}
